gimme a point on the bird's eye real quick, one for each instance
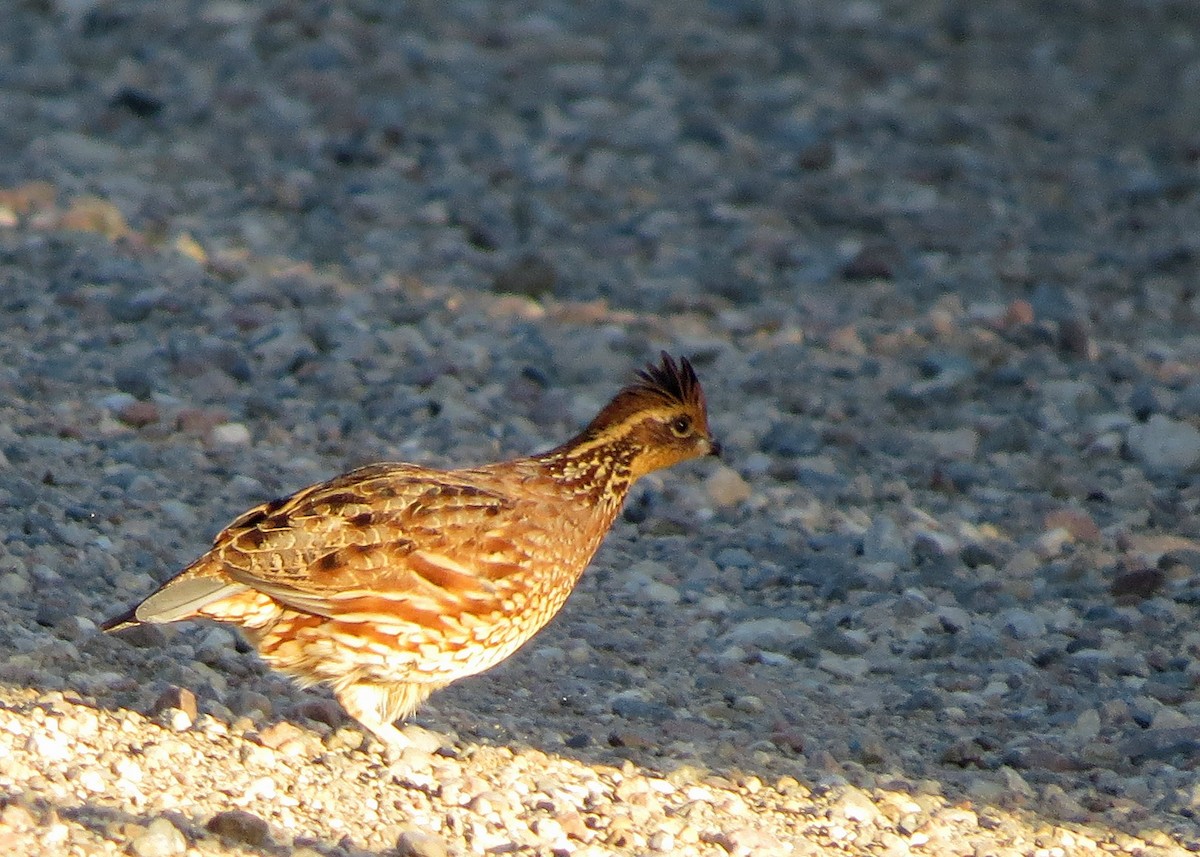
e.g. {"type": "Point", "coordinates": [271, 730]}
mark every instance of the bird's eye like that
{"type": "Point", "coordinates": [681, 426]}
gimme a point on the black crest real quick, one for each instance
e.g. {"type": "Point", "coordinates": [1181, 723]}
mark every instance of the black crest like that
{"type": "Point", "coordinates": [667, 383]}
{"type": "Point", "coordinates": [676, 382]}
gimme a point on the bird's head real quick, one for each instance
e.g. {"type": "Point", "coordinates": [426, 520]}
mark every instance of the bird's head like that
{"type": "Point", "coordinates": [659, 420]}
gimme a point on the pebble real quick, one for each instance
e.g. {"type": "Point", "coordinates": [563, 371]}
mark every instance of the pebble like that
{"type": "Point", "coordinates": [1022, 624]}
{"type": "Point", "coordinates": [415, 843]}
{"type": "Point", "coordinates": [1165, 445]}
{"type": "Point", "coordinates": [161, 838]}
{"type": "Point", "coordinates": [847, 667]}
{"type": "Point", "coordinates": [139, 414]}
{"type": "Point", "coordinates": [884, 542]}
{"type": "Point", "coordinates": [230, 434]}
{"type": "Point", "coordinates": [632, 705]}
{"type": "Point", "coordinates": [955, 444]}
{"type": "Point", "coordinates": [791, 439]}
{"type": "Point", "coordinates": [239, 826]}
{"type": "Point", "coordinates": [726, 487]}
{"type": "Point", "coordinates": [766, 633]}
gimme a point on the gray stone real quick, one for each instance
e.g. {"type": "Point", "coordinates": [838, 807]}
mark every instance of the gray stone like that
{"type": "Point", "coordinates": [631, 706]}
{"type": "Point", "coordinates": [237, 825]}
{"type": "Point", "coordinates": [415, 843]}
{"type": "Point", "coordinates": [1022, 624]}
{"type": "Point", "coordinates": [1165, 445]}
{"type": "Point", "coordinates": [766, 633]}
{"type": "Point", "coordinates": [792, 439]}
{"type": "Point", "coordinates": [883, 542]}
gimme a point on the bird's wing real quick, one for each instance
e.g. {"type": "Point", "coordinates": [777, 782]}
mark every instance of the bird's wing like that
{"type": "Point", "coordinates": [395, 540]}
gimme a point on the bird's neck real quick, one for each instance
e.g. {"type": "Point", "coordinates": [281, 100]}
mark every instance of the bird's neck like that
{"type": "Point", "coordinates": [594, 468]}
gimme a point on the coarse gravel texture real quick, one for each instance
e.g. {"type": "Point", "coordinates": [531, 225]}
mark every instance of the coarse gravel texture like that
{"type": "Point", "coordinates": [936, 263]}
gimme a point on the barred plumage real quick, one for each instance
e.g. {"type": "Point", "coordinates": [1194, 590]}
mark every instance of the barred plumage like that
{"type": "Point", "coordinates": [394, 580]}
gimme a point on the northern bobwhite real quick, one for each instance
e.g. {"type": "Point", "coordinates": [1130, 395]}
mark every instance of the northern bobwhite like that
{"type": "Point", "coordinates": [394, 580]}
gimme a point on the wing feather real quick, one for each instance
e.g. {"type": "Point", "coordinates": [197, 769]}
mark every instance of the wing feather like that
{"type": "Point", "coordinates": [349, 547]}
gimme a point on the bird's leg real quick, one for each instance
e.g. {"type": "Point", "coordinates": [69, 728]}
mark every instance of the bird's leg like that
{"type": "Point", "coordinates": [368, 704]}
{"type": "Point", "coordinates": [378, 706]}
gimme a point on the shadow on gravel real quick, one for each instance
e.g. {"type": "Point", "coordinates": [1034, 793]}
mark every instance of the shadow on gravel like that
{"type": "Point", "coordinates": [164, 833]}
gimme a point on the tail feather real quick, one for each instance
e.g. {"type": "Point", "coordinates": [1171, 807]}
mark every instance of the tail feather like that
{"type": "Point", "coordinates": [183, 597]}
{"type": "Point", "coordinates": [179, 598]}
{"type": "Point", "coordinates": [128, 619]}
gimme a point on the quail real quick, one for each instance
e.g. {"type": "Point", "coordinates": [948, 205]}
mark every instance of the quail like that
{"type": "Point", "coordinates": [393, 580]}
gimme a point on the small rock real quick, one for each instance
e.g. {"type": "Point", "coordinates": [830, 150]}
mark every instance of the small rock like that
{"type": "Point", "coordinates": [198, 421]}
{"type": "Point", "coordinates": [1165, 445]}
{"type": "Point", "coordinates": [726, 487]}
{"type": "Point", "coordinates": [1139, 583]}
{"type": "Point", "coordinates": [139, 414]}
{"type": "Point", "coordinates": [766, 633]}
{"type": "Point", "coordinates": [1076, 522]}
{"type": "Point", "coordinates": [791, 439]}
{"type": "Point", "coordinates": [974, 554]}
{"type": "Point", "coordinates": [953, 619]}
{"type": "Point", "coordinates": [530, 275]}
{"type": "Point", "coordinates": [422, 740]}
{"type": "Point", "coordinates": [958, 444]}
{"type": "Point", "coordinates": [1170, 718]}
{"type": "Point", "coordinates": [748, 704]}
{"type": "Point", "coordinates": [734, 558]}
{"type": "Point", "coordinates": [230, 434]}
{"type": "Point", "coordinates": [631, 706]}
{"type": "Point", "coordinates": [176, 699]}
{"type": "Point", "coordinates": [662, 842]}
{"type": "Point", "coordinates": [324, 711]}
{"type": "Point", "coordinates": [853, 668]}
{"type": "Point", "coordinates": [1162, 744]}
{"type": "Point", "coordinates": [631, 738]}
{"type": "Point", "coordinates": [846, 340]}
{"type": "Point", "coordinates": [857, 806]}
{"type": "Point", "coordinates": [1087, 724]}
{"type": "Point", "coordinates": [1022, 625]}
{"type": "Point", "coordinates": [643, 584]}
{"type": "Point", "coordinates": [1015, 783]}
{"type": "Point", "coordinates": [657, 592]}
{"type": "Point", "coordinates": [1052, 542]}
{"type": "Point", "coordinates": [237, 825]}
{"type": "Point", "coordinates": [883, 542]}
{"type": "Point", "coordinates": [841, 641]}
{"type": "Point", "coordinates": [1069, 395]}
{"type": "Point", "coordinates": [134, 381]}
{"type": "Point", "coordinates": [414, 843]}
{"type": "Point", "coordinates": [1062, 805]}
{"type": "Point", "coordinates": [160, 839]}
{"type": "Point", "coordinates": [1143, 402]}
{"type": "Point", "coordinates": [876, 260]}
{"type": "Point", "coordinates": [1018, 312]}
{"type": "Point", "coordinates": [1075, 339]}
{"type": "Point", "coordinates": [278, 734]}
{"type": "Point", "coordinates": [817, 155]}
{"type": "Point", "coordinates": [15, 817]}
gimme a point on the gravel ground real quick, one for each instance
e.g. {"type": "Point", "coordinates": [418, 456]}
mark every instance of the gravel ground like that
{"type": "Point", "coordinates": [935, 262]}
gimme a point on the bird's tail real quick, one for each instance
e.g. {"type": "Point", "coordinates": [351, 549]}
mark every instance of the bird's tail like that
{"type": "Point", "coordinates": [128, 619]}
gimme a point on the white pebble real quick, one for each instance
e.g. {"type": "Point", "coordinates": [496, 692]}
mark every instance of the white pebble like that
{"type": "Point", "coordinates": [726, 487]}
{"type": "Point", "coordinates": [231, 434]}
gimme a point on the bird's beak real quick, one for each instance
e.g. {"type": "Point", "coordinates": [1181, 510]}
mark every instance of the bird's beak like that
{"type": "Point", "coordinates": [714, 448]}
